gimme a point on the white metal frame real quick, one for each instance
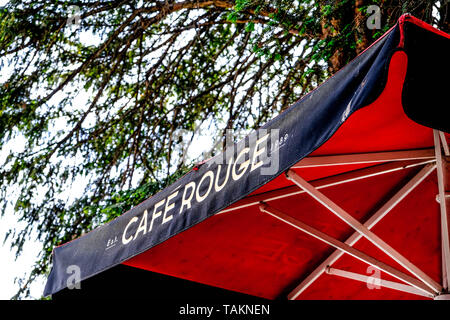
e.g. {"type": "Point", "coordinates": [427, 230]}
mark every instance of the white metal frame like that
{"type": "Point", "coordinates": [338, 179]}
{"type": "Point", "coordinates": [443, 142]}
{"type": "Point", "coordinates": [370, 223]}
{"type": "Point", "coordinates": [356, 158]}
{"type": "Point", "coordinates": [439, 139]}
{"type": "Point", "coordinates": [430, 158]}
{"type": "Point", "coordinates": [380, 282]}
{"type": "Point", "coordinates": [363, 230]}
{"type": "Point", "coordinates": [344, 247]}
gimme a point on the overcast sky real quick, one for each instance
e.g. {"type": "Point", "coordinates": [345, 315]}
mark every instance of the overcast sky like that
{"type": "Point", "coordinates": [10, 268]}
